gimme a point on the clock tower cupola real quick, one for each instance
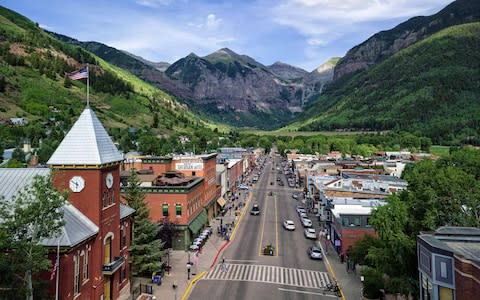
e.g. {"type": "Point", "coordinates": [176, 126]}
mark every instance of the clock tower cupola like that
{"type": "Point", "coordinates": [86, 163]}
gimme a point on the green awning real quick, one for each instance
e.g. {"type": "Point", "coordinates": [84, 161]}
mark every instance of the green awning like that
{"type": "Point", "coordinates": [198, 222]}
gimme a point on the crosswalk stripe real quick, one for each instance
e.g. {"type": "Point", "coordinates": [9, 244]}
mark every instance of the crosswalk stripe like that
{"type": "Point", "coordinates": [269, 274]}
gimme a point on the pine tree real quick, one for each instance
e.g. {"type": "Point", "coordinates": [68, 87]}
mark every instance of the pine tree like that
{"type": "Point", "coordinates": [146, 251]}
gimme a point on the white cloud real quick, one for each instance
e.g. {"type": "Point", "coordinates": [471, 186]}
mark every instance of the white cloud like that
{"type": "Point", "coordinates": [153, 3]}
{"type": "Point", "coordinates": [213, 22]}
{"type": "Point", "coordinates": [316, 42]}
{"type": "Point", "coordinates": [319, 16]}
{"type": "Point", "coordinates": [155, 38]}
{"type": "Point", "coordinates": [46, 27]}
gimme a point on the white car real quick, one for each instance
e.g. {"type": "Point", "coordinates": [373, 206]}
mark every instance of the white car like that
{"type": "Point", "coordinates": [310, 233]}
{"type": "Point", "coordinates": [243, 187]}
{"type": "Point", "coordinates": [289, 225]}
{"type": "Point", "coordinates": [299, 208]}
{"type": "Point", "coordinates": [306, 222]}
{"type": "Point", "coordinates": [303, 215]}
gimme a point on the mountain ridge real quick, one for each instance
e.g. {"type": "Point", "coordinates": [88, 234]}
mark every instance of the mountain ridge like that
{"type": "Point", "coordinates": [431, 87]}
{"type": "Point", "coordinates": [387, 42]}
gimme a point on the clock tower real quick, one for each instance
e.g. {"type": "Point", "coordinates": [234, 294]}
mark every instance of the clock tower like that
{"type": "Point", "coordinates": [87, 164]}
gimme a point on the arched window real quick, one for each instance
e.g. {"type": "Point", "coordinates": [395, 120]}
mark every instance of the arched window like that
{"type": "Point", "coordinates": [76, 274]}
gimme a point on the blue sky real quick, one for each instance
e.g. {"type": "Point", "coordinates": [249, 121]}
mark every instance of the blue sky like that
{"type": "Point", "coordinates": [303, 33]}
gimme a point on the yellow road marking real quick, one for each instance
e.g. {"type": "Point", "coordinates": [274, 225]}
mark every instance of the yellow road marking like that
{"type": "Point", "coordinates": [276, 225]}
{"type": "Point", "coordinates": [241, 216]}
{"type": "Point", "coordinates": [189, 287]}
{"type": "Point", "coordinates": [263, 228]}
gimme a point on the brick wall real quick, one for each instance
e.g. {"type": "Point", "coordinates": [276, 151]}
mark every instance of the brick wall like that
{"type": "Point", "coordinates": [467, 279]}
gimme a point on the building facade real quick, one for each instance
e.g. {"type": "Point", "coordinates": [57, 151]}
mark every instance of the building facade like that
{"type": "Point", "coordinates": [93, 244]}
{"type": "Point", "coordinates": [449, 263]}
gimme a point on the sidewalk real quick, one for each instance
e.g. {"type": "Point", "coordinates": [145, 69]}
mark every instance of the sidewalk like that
{"type": "Point", "coordinates": [349, 282]}
{"type": "Point", "coordinates": [179, 258]}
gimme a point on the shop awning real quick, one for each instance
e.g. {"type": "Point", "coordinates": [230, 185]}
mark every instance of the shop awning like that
{"type": "Point", "coordinates": [198, 222]}
{"type": "Point", "coordinates": [221, 201]}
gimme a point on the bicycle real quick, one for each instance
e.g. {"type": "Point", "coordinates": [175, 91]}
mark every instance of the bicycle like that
{"type": "Point", "coordinates": [332, 287]}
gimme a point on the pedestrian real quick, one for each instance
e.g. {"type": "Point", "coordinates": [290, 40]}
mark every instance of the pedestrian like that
{"type": "Point", "coordinates": [348, 264]}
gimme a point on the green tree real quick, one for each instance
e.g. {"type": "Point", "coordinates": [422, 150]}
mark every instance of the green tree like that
{"type": "Point", "coordinates": [67, 82]}
{"type": "Point", "coordinates": [13, 163]}
{"type": "Point", "coordinates": [31, 216]}
{"type": "Point", "coordinates": [146, 251]}
{"type": "Point", "coordinates": [18, 155]}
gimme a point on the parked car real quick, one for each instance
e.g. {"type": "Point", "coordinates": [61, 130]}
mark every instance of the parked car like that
{"type": "Point", "coordinates": [295, 195]}
{"type": "Point", "coordinates": [310, 233]}
{"type": "Point", "coordinates": [289, 225]}
{"type": "Point", "coordinates": [306, 222]}
{"type": "Point", "coordinates": [255, 210]}
{"type": "Point", "coordinates": [243, 187]}
{"type": "Point", "coordinates": [299, 208]}
{"type": "Point", "coordinates": [314, 252]}
{"type": "Point", "coordinates": [302, 214]}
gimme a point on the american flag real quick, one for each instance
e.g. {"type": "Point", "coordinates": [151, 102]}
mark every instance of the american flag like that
{"type": "Point", "coordinates": [55, 266]}
{"type": "Point", "coordinates": [79, 74]}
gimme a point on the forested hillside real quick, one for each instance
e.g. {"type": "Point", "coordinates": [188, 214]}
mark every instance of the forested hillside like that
{"type": "Point", "coordinates": [33, 86]}
{"type": "Point", "coordinates": [431, 88]}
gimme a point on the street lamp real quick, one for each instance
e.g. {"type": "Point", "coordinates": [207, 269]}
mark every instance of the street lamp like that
{"type": "Point", "coordinates": [361, 291]}
{"type": "Point", "coordinates": [188, 270]}
{"type": "Point", "coordinates": [189, 265]}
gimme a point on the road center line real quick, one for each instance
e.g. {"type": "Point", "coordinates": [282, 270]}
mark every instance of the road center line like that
{"type": "Point", "coordinates": [306, 292]}
{"type": "Point", "coordinates": [276, 225]}
{"type": "Point", "coordinates": [264, 216]}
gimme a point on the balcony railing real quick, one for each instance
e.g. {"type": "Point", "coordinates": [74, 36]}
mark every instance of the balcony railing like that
{"type": "Point", "coordinates": [113, 266]}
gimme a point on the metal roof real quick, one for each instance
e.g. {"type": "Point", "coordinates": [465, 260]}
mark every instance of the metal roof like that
{"type": "Point", "coordinates": [125, 211]}
{"type": "Point", "coordinates": [14, 180]}
{"type": "Point", "coordinates": [77, 226]}
{"type": "Point", "coordinates": [77, 229]}
{"type": "Point", "coordinates": [87, 143]}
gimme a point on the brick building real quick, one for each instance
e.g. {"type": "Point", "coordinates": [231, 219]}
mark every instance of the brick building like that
{"type": "Point", "coordinates": [93, 244]}
{"type": "Point", "coordinates": [181, 190]}
{"type": "Point", "coordinates": [449, 263]}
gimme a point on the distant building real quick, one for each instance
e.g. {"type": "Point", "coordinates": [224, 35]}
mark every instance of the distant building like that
{"type": "Point", "coordinates": [449, 263]}
{"type": "Point", "coordinates": [17, 121]}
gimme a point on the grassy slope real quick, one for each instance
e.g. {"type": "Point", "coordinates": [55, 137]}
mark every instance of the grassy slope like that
{"type": "Point", "coordinates": [116, 111]}
{"type": "Point", "coordinates": [430, 86]}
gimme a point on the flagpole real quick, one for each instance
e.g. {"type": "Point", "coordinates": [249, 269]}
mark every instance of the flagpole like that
{"type": "Point", "coordinates": [88, 83]}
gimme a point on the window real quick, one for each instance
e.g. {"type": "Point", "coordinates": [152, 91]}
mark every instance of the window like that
{"type": "Point", "coordinates": [123, 274]}
{"type": "Point", "coordinates": [76, 274]}
{"type": "Point", "coordinates": [85, 266]}
{"type": "Point", "coordinates": [193, 173]}
{"type": "Point", "coordinates": [107, 248]}
{"type": "Point", "coordinates": [345, 221]}
{"type": "Point", "coordinates": [368, 222]}
{"type": "Point", "coordinates": [165, 210]}
{"type": "Point", "coordinates": [178, 210]}
{"type": "Point", "coordinates": [123, 237]}
{"type": "Point", "coordinates": [112, 199]}
{"type": "Point", "coordinates": [356, 221]}
{"type": "Point", "coordinates": [104, 199]}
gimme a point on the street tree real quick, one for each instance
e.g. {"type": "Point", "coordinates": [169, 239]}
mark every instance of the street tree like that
{"type": "Point", "coordinates": [146, 251]}
{"type": "Point", "coordinates": [31, 216]}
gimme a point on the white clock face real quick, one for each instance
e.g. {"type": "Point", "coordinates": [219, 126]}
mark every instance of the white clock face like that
{"type": "Point", "coordinates": [77, 183]}
{"type": "Point", "coordinates": [109, 180]}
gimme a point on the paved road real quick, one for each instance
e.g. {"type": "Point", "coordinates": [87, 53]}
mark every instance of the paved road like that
{"type": "Point", "coordinates": [247, 273]}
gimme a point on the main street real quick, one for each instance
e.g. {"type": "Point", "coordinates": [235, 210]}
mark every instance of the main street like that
{"type": "Point", "coordinates": [247, 273]}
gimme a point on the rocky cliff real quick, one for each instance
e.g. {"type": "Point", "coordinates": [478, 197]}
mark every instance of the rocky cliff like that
{"type": "Point", "coordinates": [385, 43]}
{"type": "Point", "coordinates": [225, 82]}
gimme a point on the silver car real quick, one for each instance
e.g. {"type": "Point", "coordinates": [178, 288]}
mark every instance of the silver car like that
{"type": "Point", "coordinates": [314, 252]}
{"type": "Point", "coordinates": [289, 225]}
{"type": "Point", "coordinates": [310, 233]}
{"type": "Point", "coordinates": [306, 222]}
